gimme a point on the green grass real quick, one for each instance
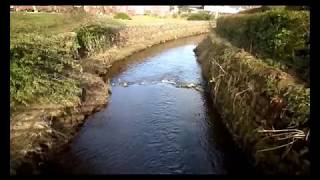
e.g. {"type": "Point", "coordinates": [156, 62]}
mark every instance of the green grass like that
{"type": "Point", "coordinates": [51, 23]}
{"type": "Point", "coordinates": [41, 23]}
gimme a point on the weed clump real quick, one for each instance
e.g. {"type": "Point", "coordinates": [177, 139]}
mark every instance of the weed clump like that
{"type": "Point", "coordinates": [95, 38]}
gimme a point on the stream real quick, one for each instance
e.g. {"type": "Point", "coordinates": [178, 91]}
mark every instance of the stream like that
{"type": "Point", "coordinates": [159, 120]}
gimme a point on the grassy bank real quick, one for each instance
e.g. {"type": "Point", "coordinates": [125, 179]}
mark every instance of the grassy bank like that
{"type": "Point", "coordinates": [258, 77]}
{"type": "Point", "coordinates": [43, 52]}
{"type": "Point", "coordinates": [266, 110]}
{"type": "Point", "coordinates": [36, 38]}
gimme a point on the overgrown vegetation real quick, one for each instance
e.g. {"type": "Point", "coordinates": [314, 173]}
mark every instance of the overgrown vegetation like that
{"type": "Point", "coordinates": [200, 16]}
{"type": "Point", "coordinates": [122, 15]}
{"type": "Point", "coordinates": [40, 69]}
{"type": "Point", "coordinates": [266, 110]}
{"type": "Point", "coordinates": [279, 34]}
{"type": "Point", "coordinates": [95, 38]}
{"type": "Point", "coordinates": [45, 49]}
{"type": "Point", "coordinates": [44, 53]}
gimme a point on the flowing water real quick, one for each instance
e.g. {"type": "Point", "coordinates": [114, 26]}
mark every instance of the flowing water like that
{"type": "Point", "coordinates": [159, 120]}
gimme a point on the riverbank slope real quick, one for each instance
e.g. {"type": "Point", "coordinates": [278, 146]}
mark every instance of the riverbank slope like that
{"type": "Point", "coordinates": [265, 109]}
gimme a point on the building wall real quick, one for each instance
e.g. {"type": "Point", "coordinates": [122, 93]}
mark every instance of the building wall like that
{"type": "Point", "coordinates": [95, 10]}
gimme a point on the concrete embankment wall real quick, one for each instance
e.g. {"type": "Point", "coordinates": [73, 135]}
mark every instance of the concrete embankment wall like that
{"type": "Point", "coordinates": [265, 109]}
{"type": "Point", "coordinates": [39, 131]}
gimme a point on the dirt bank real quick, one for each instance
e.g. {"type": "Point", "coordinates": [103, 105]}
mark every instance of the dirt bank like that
{"type": "Point", "coordinates": [265, 109]}
{"type": "Point", "coordinates": [39, 131]}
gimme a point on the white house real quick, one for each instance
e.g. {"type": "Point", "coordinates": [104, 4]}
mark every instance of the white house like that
{"type": "Point", "coordinates": [226, 9]}
{"type": "Point", "coordinates": [222, 9]}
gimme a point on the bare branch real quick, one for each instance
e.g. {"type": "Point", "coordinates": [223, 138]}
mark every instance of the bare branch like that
{"type": "Point", "coordinates": [219, 66]}
{"type": "Point", "coordinates": [277, 147]}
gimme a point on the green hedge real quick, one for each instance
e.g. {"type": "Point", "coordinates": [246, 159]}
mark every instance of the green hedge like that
{"type": "Point", "coordinates": [280, 34]}
{"type": "Point", "coordinates": [95, 38]}
{"type": "Point", "coordinates": [201, 16]}
{"type": "Point", "coordinates": [122, 15]}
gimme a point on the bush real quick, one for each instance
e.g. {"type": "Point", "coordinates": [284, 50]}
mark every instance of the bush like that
{"type": "Point", "coordinates": [122, 15]}
{"type": "Point", "coordinates": [94, 38]}
{"type": "Point", "coordinates": [40, 69]}
{"type": "Point", "coordinates": [201, 16]}
{"type": "Point", "coordinates": [279, 34]}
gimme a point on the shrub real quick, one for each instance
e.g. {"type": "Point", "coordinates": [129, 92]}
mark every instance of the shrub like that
{"type": "Point", "coordinates": [279, 34]}
{"type": "Point", "coordinates": [122, 15]}
{"type": "Point", "coordinates": [40, 69]}
{"type": "Point", "coordinates": [95, 37]}
{"type": "Point", "coordinates": [201, 16]}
